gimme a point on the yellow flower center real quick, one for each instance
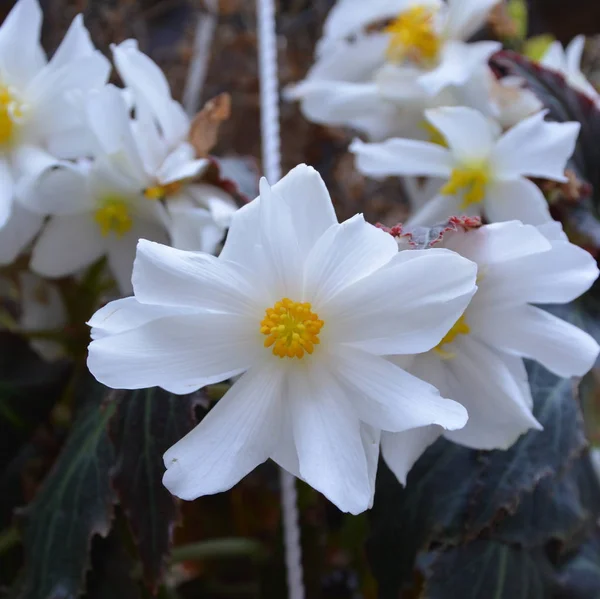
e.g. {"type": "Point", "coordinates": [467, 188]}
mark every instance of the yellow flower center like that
{"type": "Point", "coordinates": [460, 328]}
{"type": "Point", "coordinates": [113, 216]}
{"type": "Point", "coordinates": [10, 111]}
{"type": "Point", "coordinates": [161, 192]}
{"type": "Point", "coordinates": [292, 328]}
{"type": "Point", "coordinates": [435, 135]}
{"type": "Point", "coordinates": [414, 37]}
{"type": "Point", "coordinates": [470, 181]}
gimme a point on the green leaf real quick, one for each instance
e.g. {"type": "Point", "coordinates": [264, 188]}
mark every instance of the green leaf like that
{"type": "Point", "coordinates": [491, 570]}
{"type": "Point", "coordinates": [580, 576]}
{"type": "Point", "coordinates": [29, 388]}
{"type": "Point", "coordinates": [453, 495]}
{"type": "Point", "coordinates": [74, 503]}
{"type": "Point", "coordinates": [145, 424]}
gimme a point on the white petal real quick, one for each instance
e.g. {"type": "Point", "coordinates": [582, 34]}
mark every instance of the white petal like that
{"type": "Point", "coordinates": [391, 399]}
{"type": "Point", "coordinates": [19, 231]}
{"type": "Point", "coordinates": [470, 135]}
{"type": "Point", "coordinates": [219, 203]}
{"type": "Point", "coordinates": [67, 244]}
{"type": "Point", "coordinates": [53, 186]}
{"type": "Point", "coordinates": [533, 333]}
{"type": "Point", "coordinates": [194, 229]}
{"type": "Point", "coordinates": [498, 242]}
{"type": "Point", "coordinates": [555, 57]}
{"type": "Point", "coordinates": [237, 435]}
{"type": "Point", "coordinates": [436, 211]}
{"type": "Point", "coordinates": [557, 276]}
{"type": "Point", "coordinates": [520, 199]}
{"type": "Point", "coordinates": [167, 276]}
{"type": "Point", "coordinates": [486, 385]}
{"type": "Point", "coordinates": [345, 253]}
{"type": "Point", "coordinates": [371, 439]}
{"type": "Point", "coordinates": [21, 53]}
{"type": "Point", "coordinates": [536, 148]}
{"type": "Point", "coordinates": [349, 17]}
{"type": "Point", "coordinates": [406, 307]}
{"type": "Point", "coordinates": [76, 43]}
{"type": "Point", "coordinates": [402, 157]}
{"type": "Point", "coordinates": [181, 164]}
{"type": "Point", "coordinates": [151, 88]}
{"type": "Point", "coordinates": [466, 17]}
{"type": "Point", "coordinates": [7, 191]}
{"type": "Point", "coordinates": [179, 353]}
{"type": "Point", "coordinates": [108, 116]}
{"type": "Point", "coordinates": [458, 62]}
{"type": "Point", "coordinates": [401, 450]}
{"type": "Point", "coordinates": [328, 438]}
{"type": "Point", "coordinates": [574, 52]}
{"type": "Point", "coordinates": [126, 314]}
{"type": "Point", "coordinates": [306, 197]}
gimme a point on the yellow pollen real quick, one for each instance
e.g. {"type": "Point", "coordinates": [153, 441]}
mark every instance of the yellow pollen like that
{"type": "Point", "coordinates": [413, 36]}
{"type": "Point", "coordinates": [161, 192]}
{"type": "Point", "coordinates": [292, 328]}
{"type": "Point", "coordinates": [460, 328]}
{"type": "Point", "coordinates": [471, 181]}
{"type": "Point", "coordinates": [435, 135]}
{"type": "Point", "coordinates": [113, 216]}
{"type": "Point", "coordinates": [10, 111]}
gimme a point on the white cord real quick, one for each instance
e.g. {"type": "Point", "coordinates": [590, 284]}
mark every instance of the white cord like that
{"type": "Point", "coordinates": [271, 152]}
{"type": "Point", "coordinates": [203, 37]}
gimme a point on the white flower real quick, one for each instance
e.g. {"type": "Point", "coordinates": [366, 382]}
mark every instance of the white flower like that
{"type": "Point", "coordinates": [36, 124]}
{"type": "Point", "coordinates": [98, 208]}
{"type": "Point", "coordinates": [42, 309]}
{"type": "Point", "coordinates": [485, 170]}
{"type": "Point", "coordinates": [200, 212]}
{"type": "Point", "coordinates": [380, 81]}
{"type": "Point", "coordinates": [479, 362]}
{"type": "Point", "coordinates": [568, 63]}
{"type": "Point", "coordinates": [303, 308]}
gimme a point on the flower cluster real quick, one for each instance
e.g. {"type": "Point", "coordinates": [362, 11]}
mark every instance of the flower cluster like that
{"type": "Point", "coordinates": [338, 341]}
{"type": "Point", "coordinates": [89, 168]}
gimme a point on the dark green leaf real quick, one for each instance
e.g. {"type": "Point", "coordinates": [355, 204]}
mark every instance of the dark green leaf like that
{"type": "Point", "coordinates": [146, 423]}
{"type": "Point", "coordinates": [453, 494]}
{"type": "Point", "coordinates": [487, 569]}
{"type": "Point", "coordinates": [74, 503]}
{"type": "Point", "coordinates": [580, 576]}
{"type": "Point", "coordinates": [29, 388]}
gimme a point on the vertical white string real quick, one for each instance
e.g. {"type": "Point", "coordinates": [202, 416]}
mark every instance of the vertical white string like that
{"type": "Point", "coordinates": [271, 154]}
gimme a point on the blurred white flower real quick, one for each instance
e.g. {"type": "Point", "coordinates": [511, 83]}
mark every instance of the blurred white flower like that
{"type": "Point", "coordinates": [98, 207]}
{"type": "Point", "coordinates": [303, 308]}
{"type": "Point", "coordinates": [200, 212]}
{"type": "Point", "coordinates": [568, 62]}
{"type": "Point", "coordinates": [37, 126]}
{"type": "Point", "coordinates": [379, 80]}
{"type": "Point", "coordinates": [485, 170]}
{"type": "Point", "coordinates": [42, 309]}
{"type": "Point", "coordinates": [479, 362]}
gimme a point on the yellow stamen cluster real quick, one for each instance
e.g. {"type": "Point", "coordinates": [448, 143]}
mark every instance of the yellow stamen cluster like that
{"type": "Point", "coordinates": [460, 328]}
{"type": "Point", "coordinates": [161, 192]}
{"type": "Point", "coordinates": [10, 111]}
{"type": "Point", "coordinates": [470, 181]}
{"type": "Point", "coordinates": [414, 36]}
{"type": "Point", "coordinates": [113, 216]}
{"type": "Point", "coordinates": [292, 328]}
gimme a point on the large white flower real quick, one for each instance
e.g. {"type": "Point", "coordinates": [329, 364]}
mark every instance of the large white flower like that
{"type": "Point", "coordinates": [37, 126]}
{"type": "Point", "coordinates": [303, 307]}
{"type": "Point", "coordinates": [479, 362]}
{"type": "Point", "coordinates": [200, 212]}
{"type": "Point", "coordinates": [568, 62]}
{"type": "Point", "coordinates": [485, 170]}
{"type": "Point", "coordinates": [98, 207]}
